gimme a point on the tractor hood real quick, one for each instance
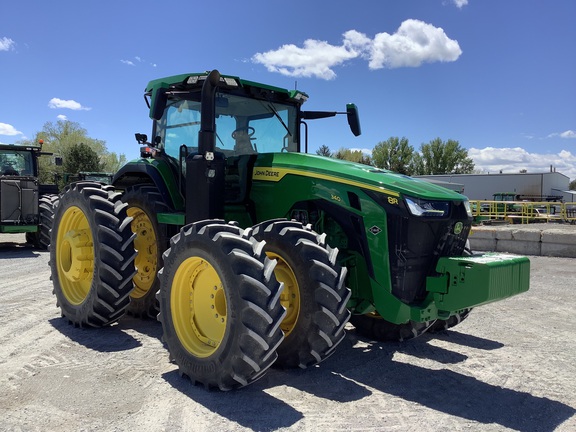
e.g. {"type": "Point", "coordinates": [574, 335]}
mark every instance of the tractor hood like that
{"type": "Point", "coordinates": [340, 171]}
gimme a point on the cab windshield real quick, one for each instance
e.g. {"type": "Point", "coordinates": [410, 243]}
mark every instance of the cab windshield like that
{"type": "Point", "coordinates": [14, 162]}
{"type": "Point", "coordinates": [243, 126]}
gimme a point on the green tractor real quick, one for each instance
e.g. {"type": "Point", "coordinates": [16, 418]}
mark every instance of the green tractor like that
{"type": "Point", "coordinates": [252, 252]}
{"type": "Point", "coordinates": [26, 206]}
{"type": "Point", "coordinates": [102, 177]}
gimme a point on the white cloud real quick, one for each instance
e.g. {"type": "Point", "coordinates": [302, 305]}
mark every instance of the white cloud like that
{"type": "Point", "coordinates": [68, 104]}
{"type": "Point", "coordinates": [512, 160]}
{"type": "Point", "coordinates": [61, 117]}
{"type": "Point", "coordinates": [137, 59]}
{"type": "Point", "coordinates": [566, 134]}
{"type": "Point", "coordinates": [316, 58]}
{"type": "Point", "coordinates": [6, 129]}
{"type": "Point", "coordinates": [460, 3]}
{"type": "Point", "coordinates": [414, 43]}
{"type": "Point", "coordinates": [6, 44]}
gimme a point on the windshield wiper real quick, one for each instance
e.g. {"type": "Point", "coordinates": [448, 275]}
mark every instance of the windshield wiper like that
{"type": "Point", "coordinates": [279, 118]}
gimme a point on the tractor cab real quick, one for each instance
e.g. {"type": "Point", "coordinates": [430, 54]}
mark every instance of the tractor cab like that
{"type": "Point", "coordinates": [217, 125]}
{"type": "Point", "coordinates": [17, 161]}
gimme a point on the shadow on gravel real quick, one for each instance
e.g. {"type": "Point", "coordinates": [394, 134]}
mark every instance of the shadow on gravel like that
{"type": "Point", "coordinates": [466, 397]}
{"type": "Point", "coordinates": [466, 340]}
{"type": "Point", "coordinates": [17, 250]}
{"type": "Point", "coordinates": [250, 407]}
{"type": "Point", "coordinates": [445, 390]}
{"type": "Point", "coordinates": [148, 327]}
{"type": "Point", "coordinates": [106, 339]}
{"type": "Point", "coordinates": [319, 380]}
{"type": "Point", "coordinates": [349, 375]}
{"type": "Point", "coordinates": [423, 350]}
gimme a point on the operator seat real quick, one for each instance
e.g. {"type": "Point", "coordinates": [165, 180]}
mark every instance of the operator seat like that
{"type": "Point", "coordinates": [9, 170]}
{"type": "Point", "coordinates": [243, 144]}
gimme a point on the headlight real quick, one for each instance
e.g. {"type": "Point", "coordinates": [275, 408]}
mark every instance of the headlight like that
{"type": "Point", "coordinates": [427, 208]}
{"type": "Point", "coordinates": [468, 208]}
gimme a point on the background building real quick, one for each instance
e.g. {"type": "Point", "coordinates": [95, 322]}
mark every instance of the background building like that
{"type": "Point", "coordinates": [527, 186]}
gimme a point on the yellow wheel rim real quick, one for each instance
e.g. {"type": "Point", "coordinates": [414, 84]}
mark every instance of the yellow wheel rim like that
{"type": "Point", "coordinates": [198, 306]}
{"type": "Point", "coordinates": [75, 255]}
{"type": "Point", "coordinates": [147, 256]}
{"type": "Point", "coordinates": [290, 297]}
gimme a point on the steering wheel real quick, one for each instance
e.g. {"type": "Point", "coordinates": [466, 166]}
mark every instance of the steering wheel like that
{"type": "Point", "coordinates": [249, 131]}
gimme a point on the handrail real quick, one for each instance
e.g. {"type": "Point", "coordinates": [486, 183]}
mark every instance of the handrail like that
{"type": "Point", "coordinates": [523, 211]}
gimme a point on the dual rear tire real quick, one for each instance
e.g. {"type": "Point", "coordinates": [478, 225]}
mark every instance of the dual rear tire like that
{"type": "Point", "coordinates": [91, 255]}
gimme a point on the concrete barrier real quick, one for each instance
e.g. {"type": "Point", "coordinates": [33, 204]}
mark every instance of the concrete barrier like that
{"type": "Point", "coordinates": [543, 239]}
{"type": "Point", "coordinates": [559, 243]}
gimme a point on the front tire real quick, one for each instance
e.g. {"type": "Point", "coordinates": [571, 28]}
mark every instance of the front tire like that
{"type": "Point", "coordinates": [219, 305]}
{"type": "Point", "coordinates": [315, 294]}
{"type": "Point", "coordinates": [91, 255]}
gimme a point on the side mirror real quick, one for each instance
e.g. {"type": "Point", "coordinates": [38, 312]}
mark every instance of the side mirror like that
{"type": "Point", "coordinates": [58, 161]}
{"type": "Point", "coordinates": [141, 138]}
{"type": "Point", "coordinates": [159, 101]}
{"type": "Point", "coordinates": [353, 118]}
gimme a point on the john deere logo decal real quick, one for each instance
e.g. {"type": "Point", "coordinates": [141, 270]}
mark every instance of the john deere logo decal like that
{"type": "Point", "coordinates": [458, 228]}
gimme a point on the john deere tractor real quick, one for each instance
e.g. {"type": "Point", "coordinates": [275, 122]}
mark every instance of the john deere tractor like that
{"type": "Point", "coordinates": [26, 206]}
{"type": "Point", "coordinates": [252, 252]}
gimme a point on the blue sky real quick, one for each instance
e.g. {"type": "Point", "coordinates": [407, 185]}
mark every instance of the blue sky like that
{"type": "Point", "coordinates": [499, 76]}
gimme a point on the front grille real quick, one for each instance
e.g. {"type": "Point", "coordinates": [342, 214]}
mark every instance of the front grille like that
{"type": "Point", "coordinates": [416, 244]}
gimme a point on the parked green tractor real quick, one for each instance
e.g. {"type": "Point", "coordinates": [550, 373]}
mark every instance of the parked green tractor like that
{"type": "Point", "coordinates": [26, 206]}
{"type": "Point", "coordinates": [103, 177]}
{"type": "Point", "coordinates": [252, 252]}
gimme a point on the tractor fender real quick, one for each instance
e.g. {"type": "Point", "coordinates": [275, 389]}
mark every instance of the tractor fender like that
{"type": "Point", "coordinates": [150, 171]}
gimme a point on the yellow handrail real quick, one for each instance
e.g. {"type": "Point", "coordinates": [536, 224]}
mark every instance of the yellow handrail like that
{"type": "Point", "coordinates": [524, 211]}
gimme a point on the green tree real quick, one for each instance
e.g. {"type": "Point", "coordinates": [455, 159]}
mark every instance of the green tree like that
{"type": "Point", "coordinates": [324, 150]}
{"type": "Point", "coordinates": [353, 156]}
{"type": "Point", "coordinates": [59, 138]}
{"type": "Point", "coordinates": [111, 162]}
{"type": "Point", "coordinates": [439, 157]}
{"type": "Point", "coordinates": [81, 157]}
{"type": "Point", "coordinates": [572, 185]}
{"type": "Point", "coordinates": [394, 154]}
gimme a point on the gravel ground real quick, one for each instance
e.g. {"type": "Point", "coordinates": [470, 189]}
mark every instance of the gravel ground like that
{"type": "Point", "coordinates": [509, 366]}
